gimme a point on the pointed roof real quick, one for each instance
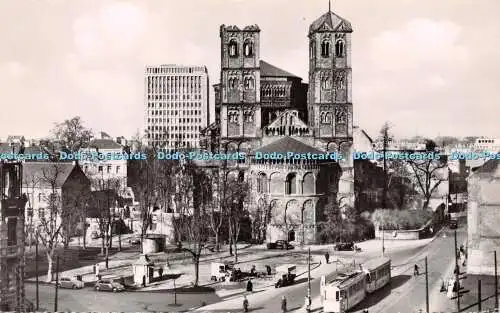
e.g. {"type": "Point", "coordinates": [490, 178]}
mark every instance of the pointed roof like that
{"type": "Point", "coordinates": [288, 144]}
{"type": "Point", "coordinates": [268, 70]}
{"type": "Point", "coordinates": [330, 22]}
{"type": "Point", "coordinates": [41, 174]}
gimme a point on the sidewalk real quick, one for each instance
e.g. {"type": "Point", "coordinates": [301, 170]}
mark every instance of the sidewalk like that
{"type": "Point", "coordinates": [469, 295]}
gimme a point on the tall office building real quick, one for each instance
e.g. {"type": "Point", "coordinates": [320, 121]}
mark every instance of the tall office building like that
{"type": "Point", "coordinates": [176, 105]}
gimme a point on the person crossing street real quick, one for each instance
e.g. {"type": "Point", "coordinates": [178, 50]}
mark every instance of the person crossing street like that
{"type": "Point", "coordinates": [283, 304]}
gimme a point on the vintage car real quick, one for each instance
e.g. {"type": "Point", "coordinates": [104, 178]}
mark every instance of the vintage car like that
{"type": "Point", "coordinates": [108, 285]}
{"type": "Point", "coordinates": [280, 244]}
{"type": "Point", "coordinates": [344, 246]}
{"type": "Point", "coordinates": [286, 275]}
{"type": "Point", "coordinates": [70, 283]}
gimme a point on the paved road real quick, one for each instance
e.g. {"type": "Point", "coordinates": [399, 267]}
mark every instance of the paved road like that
{"type": "Point", "coordinates": [88, 300]}
{"type": "Point", "coordinates": [407, 293]}
{"type": "Point", "coordinates": [295, 294]}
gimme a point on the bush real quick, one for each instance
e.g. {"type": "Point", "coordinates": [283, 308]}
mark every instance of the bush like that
{"type": "Point", "coordinates": [402, 220]}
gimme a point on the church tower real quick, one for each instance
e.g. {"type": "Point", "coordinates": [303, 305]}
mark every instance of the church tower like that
{"type": "Point", "coordinates": [240, 110]}
{"type": "Point", "coordinates": [330, 91]}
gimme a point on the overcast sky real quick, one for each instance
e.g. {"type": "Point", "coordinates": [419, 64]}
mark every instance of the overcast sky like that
{"type": "Point", "coordinates": [429, 67]}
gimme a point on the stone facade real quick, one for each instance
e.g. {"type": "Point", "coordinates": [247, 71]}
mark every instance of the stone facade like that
{"type": "Point", "coordinates": [263, 109]}
{"type": "Point", "coordinates": [12, 237]}
{"type": "Point", "coordinates": [483, 218]}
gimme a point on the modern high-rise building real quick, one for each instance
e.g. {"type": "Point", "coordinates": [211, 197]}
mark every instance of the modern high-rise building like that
{"type": "Point", "coordinates": [176, 105]}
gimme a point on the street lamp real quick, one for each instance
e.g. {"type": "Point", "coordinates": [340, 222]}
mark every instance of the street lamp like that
{"type": "Point", "coordinates": [308, 297]}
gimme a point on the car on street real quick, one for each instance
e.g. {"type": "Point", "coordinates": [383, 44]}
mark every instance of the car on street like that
{"type": "Point", "coordinates": [95, 235]}
{"type": "Point", "coordinates": [70, 283]}
{"type": "Point", "coordinates": [344, 246]}
{"type": "Point", "coordinates": [453, 224]}
{"type": "Point", "coordinates": [135, 240]}
{"type": "Point", "coordinates": [280, 244]}
{"type": "Point", "coordinates": [108, 285]}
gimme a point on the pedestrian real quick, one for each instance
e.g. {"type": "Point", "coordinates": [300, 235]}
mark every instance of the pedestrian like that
{"type": "Point", "coordinates": [253, 270]}
{"type": "Point", "coordinates": [308, 304]}
{"type": "Point", "coordinates": [245, 304]}
{"type": "Point", "coordinates": [97, 270]}
{"type": "Point", "coordinates": [249, 286]}
{"type": "Point", "coordinates": [93, 269]}
{"type": "Point", "coordinates": [283, 304]}
{"type": "Point", "coordinates": [268, 268]}
{"type": "Point", "coordinates": [415, 270]}
{"type": "Point", "coordinates": [160, 272]}
{"type": "Point", "coordinates": [327, 257]}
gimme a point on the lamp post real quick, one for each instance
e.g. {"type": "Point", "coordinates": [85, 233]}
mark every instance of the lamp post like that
{"type": "Point", "coordinates": [308, 297]}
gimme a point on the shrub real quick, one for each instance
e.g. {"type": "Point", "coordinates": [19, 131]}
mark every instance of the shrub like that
{"type": "Point", "coordinates": [401, 219]}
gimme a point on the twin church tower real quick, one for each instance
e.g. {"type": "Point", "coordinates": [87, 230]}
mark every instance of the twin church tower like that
{"type": "Point", "coordinates": [262, 108]}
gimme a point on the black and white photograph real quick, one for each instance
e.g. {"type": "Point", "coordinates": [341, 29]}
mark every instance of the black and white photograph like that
{"type": "Point", "coordinates": [319, 156]}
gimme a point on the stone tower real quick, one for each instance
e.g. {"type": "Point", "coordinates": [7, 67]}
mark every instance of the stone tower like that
{"type": "Point", "coordinates": [240, 115]}
{"type": "Point", "coordinates": [330, 92]}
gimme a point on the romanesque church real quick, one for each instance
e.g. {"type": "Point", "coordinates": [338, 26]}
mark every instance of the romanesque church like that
{"type": "Point", "coordinates": [262, 108]}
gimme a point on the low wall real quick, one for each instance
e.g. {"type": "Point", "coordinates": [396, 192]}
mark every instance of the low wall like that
{"type": "Point", "coordinates": [411, 234]}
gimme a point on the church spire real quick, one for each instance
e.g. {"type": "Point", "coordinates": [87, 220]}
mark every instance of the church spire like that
{"type": "Point", "coordinates": [329, 6]}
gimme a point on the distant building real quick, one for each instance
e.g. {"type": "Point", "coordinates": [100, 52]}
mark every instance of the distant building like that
{"type": "Point", "coordinates": [487, 144]}
{"type": "Point", "coordinates": [42, 179]}
{"type": "Point", "coordinates": [483, 218]}
{"type": "Point", "coordinates": [176, 105]}
{"type": "Point", "coordinates": [105, 164]}
{"type": "Point", "coordinates": [12, 238]}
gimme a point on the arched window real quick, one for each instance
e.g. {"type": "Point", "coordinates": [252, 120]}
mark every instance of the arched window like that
{"type": "Point", "coordinates": [262, 183]}
{"type": "Point", "coordinates": [325, 49]}
{"type": "Point", "coordinates": [248, 48]}
{"type": "Point", "coordinates": [291, 184]}
{"type": "Point", "coordinates": [233, 82]}
{"type": "Point", "coordinates": [339, 48]}
{"type": "Point", "coordinates": [233, 48]}
{"type": "Point", "coordinates": [249, 83]}
{"type": "Point", "coordinates": [340, 116]}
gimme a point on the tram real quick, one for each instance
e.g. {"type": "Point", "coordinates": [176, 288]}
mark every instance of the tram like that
{"type": "Point", "coordinates": [348, 289]}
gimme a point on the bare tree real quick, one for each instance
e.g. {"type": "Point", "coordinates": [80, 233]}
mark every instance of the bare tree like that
{"type": "Point", "coordinates": [192, 195]}
{"type": "Point", "coordinates": [216, 207]}
{"type": "Point", "coordinates": [429, 173]}
{"type": "Point", "coordinates": [52, 222]}
{"type": "Point", "coordinates": [235, 202]}
{"type": "Point", "coordinates": [72, 134]}
{"type": "Point", "coordinates": [75, 202]}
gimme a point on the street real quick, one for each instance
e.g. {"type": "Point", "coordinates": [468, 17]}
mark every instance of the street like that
{"type": "Point", "coordinates": [407, 293]}
{"type": "Point", "coordinates": [89, 300]}
{"type": "Point", "coordinates": [270, 300]}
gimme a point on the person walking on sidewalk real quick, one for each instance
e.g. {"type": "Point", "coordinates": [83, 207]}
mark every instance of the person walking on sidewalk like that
{"type": "Point", "coordinates": [245, 304]}
{"type": "Point", "coordinates": [415, 270]}
{"type": "Point", "coordinates": [283, 304]}
{"type": "Point", "coordinates": [327, 257]}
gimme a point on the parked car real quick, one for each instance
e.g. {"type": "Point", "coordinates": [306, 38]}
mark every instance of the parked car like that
{"type": "Point", "coordinates": [135, 240]}
{"type": "Point", "coordinates": [344, 246]}
{"type": "Point", "coordinates": [108, 285]}
{"type": "Point", "coordinates": [70, 283]}
{"type": "Point", "coordinates": [280, 244]}
{"type": "Point", "coordinates": [453, 224]}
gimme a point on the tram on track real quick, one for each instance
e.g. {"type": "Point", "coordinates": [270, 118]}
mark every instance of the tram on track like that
{"type": "Point", "coordinates": [347, 290]}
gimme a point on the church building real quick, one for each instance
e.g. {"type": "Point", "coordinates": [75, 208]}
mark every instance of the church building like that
{"type": "Point", "coordinates": [262, 110]}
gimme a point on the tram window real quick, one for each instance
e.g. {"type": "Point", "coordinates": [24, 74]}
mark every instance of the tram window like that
{"type": "Point", "coordinates": [337, 295]}
{"type": "Point", "coordinates": [342, 294]}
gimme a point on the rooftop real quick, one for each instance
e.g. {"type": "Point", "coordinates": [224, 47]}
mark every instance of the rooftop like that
{"type": "Point", "coordinates": [269, 70]}
{"type": "Point", "coordinates": [288, 144]}
{"type": "Point", "coordinates": [330, 22]}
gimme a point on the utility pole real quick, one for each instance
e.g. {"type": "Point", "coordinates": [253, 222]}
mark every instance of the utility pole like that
{"type": "Point", "coordinates": [57, 284]}
{"type": "Point", "coordinates": [479, 298]}
{"type": "Point", "coordinates": [496, 279]}
{"type": "Point", "coordinates": [385, 138]}
{"type": "Point", "coordinates": [308, 298]}
{"type": "Point", "coordinates": [457, 273]}
{"type": "Point", "coordinates": [36, 270]}
{"type": "Point", "coordinates": [426, 287]}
